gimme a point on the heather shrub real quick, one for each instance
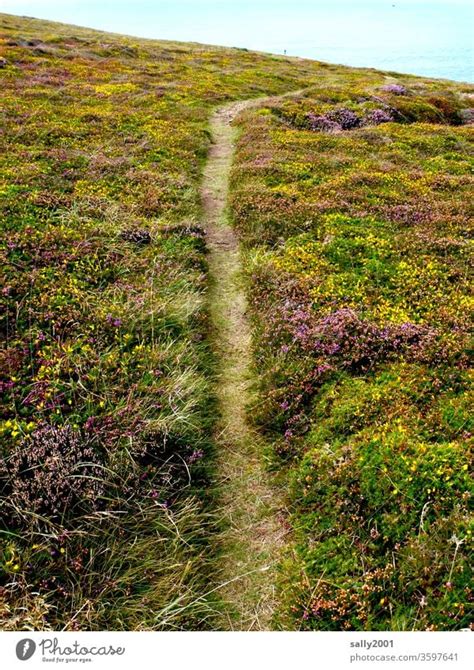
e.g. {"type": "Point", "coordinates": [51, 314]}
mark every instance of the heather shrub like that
{"type": "Point", "coordinates": [378, 116]}
{"type": "Point", "coordinates": [335, 120]}
{"type": "Point", "coordinates": [367, 109]}
{"type": "Point", "coordinates": [359, 295]}
{"type": "Point", "coordinates": [395, 89]}
{"type": "Point", "coordinates": [136, 235]}
{"type": "Point", "coordinates": [52, 473]}
{"type": "Point", "coordinates": [358, 344]}
{"type": "Point", "coordinates": [104, 317]}
{"type": "Point", "coordinates": [358, 278]}
{"type": "Point", "coordinates": [323, 123]}
{"type": "Point", "coordinates": [347, 119]}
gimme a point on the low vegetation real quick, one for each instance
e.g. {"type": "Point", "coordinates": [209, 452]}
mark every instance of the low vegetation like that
{"type": "Point", "coordinates": [352, 201]}
{"type": "Point", "coordinates": [105, 369]}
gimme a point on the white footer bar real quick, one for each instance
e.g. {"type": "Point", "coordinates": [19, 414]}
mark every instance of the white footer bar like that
{"type": "Point", "coordinates": [249, 651]}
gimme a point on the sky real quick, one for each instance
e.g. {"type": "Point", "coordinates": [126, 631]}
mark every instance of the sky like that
{"type": "Point", "coordinates": [431, 37]}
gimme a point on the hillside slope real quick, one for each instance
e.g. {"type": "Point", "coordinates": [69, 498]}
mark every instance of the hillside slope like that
{"type": "Point", "coordinates": [109, 517]}
{"type": "Point", "coordinates": [106, 370]}
{"type": "Point", "coordinates": [353, 201]}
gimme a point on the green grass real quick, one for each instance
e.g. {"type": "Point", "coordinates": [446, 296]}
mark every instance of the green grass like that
{"type": "Point", "coordinates": [108, 406]}
{"type": "Point", "coordinates": [104, 325]}
{"type": "Point", "coordinates": [357, 260]}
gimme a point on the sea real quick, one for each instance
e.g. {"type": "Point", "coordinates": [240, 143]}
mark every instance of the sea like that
{"type": "Point", "coordinates": [433, 38]}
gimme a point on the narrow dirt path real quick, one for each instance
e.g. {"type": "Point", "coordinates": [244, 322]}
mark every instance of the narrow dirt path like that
{"type": "Point", "coordinates": [254, 531]}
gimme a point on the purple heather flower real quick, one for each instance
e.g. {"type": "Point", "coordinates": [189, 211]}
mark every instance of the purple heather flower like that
{"type": "Point", "coordinates": [334, 121]}
{"type": "Point", "coordinates": [90, 423]}
{"type": "Point", "coordinates": [346, 118]}
{"type": "Point", "coordinates": [378, 116]}
{"type": "Point", "coordinates": [195, 456]}
{"type": "Point", "coordinates": [323, 123]}
{"type": "Point", "coordinates": [396, 89]}
{"type": "Point", "coordinates": [116, 323]}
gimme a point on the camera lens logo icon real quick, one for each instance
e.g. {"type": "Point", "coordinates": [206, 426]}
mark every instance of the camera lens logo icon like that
{"type": "Point", "coordinates": [25, 649]}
